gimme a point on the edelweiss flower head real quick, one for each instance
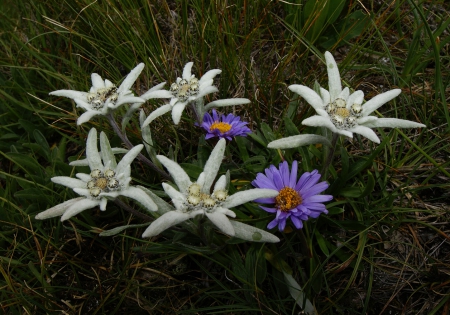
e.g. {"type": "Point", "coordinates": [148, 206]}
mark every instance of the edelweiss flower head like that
{"type": "Point", "coordinates": [298, 200]}
{"type": "Point", "coordinates": [107, 179]}
{"type": "Point", "coordinates": [224, 126]}
{"type": "Point", "coordinates": [196, 198]}
{"type": "Point", "coordinates": [186, 89]}
{"type": "Point", "coordinates": [345, 113]}
{"type": "Point", "coordinates": [104, 96]}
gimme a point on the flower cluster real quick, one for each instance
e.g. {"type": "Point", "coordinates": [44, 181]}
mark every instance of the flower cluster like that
{"type": "Point", "coordinates": [339, 110]}
{"type": "Point", "coordinates": [345, 113]}
{"type": "Point", "coordinates": [195, 198]}
{"type": "Point", "coordinates": [107, 180]}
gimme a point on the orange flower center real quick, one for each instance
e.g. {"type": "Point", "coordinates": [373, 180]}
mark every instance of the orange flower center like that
{"type": "Point", "coordinates": [287, 199]}
{"type": "Point", "coordinates": [221, 126]}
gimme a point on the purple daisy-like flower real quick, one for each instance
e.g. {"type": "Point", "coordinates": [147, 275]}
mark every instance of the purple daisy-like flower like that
{"type": "Point", "coordinates": [298, 200]}
{"type": "Point", "coordinates": [228, 126]}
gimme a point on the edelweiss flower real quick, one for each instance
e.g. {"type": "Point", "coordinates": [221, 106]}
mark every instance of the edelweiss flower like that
{"type": "Point", "coordinates": [195, 198]}
{"type": "Point", "coordinates": [224, 126]}
{"type": "Point", "coordinates": [106, 180]}
{"type": "Point", "coordinates": [104, 96]}
{"type": "Point", "coordinates": [190, 90]}
{"type": "Point", "coordinates": [344, 113]}
{"type": "Point", "coordinates": [298, 200]}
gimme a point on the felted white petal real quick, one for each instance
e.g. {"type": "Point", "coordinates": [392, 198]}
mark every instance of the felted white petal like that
{"type": "Point", "coordinates": [108, 83]}
{"type": "Point", "coordinates": [156, 113]}
{"type": "Point", "coordinates": [173, 101]}
{"type": "Point", "coordinates": [365, 120]}
{"type": "Point", "coordinates": [140, 196]}
{"type": "Point", "coordinates": [84, 177]}
{"type": "Point", "coordinates": [205, 83]}
{"type": "Point", "coordinates": [252, 234]}
{"type": "Point", "coordinates": [78, 207]}
{"type": "Point", "coordinates": [334, 79]}
{"type": "Point", "coordinates": [201, 179]}
{"type": "Point", "coordinates": [128, 158]}
{"type": "Point", "coordinates": [187, 71]}
{"type": "Point", "coordinates": [319, 121]}
{"type": "Point", "coordinates": [86, 116]}
{"type": "Point", "coordinates": [227, 102]}
{"type": "Point", "coordinates": [84, 105]}
{"type": "Point", "coordinates": [124, 176]}
{"type": "Point", "coordinates": [97, 81]}
{"type": "Point", "coordinates": [207, 90]}
{"type": "Point", "coordinates": [68, 182]}
{"type": "Point", "coordinates": [356, 97]}
{"type": "Point", "coordinates": [344, 133]}
{"type": "Point", "coordinates": [378, 101]}
{"type": "Point", "coordinates": [57, 210]}
{"type": "Point", "coordinates": [83, 192]}
{"type": "Point", "coordinates": [130, 79]}
{"type": "Point", "coordinates": [309, 95]}
{"type": "Point", "coordinates": [298, 141]}
{"type": "Point", "coordinates": [344, 94]}
{"type": "Point", "coordinates": [81, 162]}
{"type": "Point", "coordinates": [242, 197]}
{"type": "Point", "coordinates": [156, 94]}
{"type": "Point", "coordinates": [213, 164]}
{"type": "Point", "coordinates": [178, 198]}
{"type": "Point", "coordinates": [164, 222]}
{"type": "Point", "coordinates": [221, 183]}
{"type": "Point", "coordinates": [92, 155]}
{"type": "Point", "coordinates": [179, 176]}
{"type": "Point", "coordinates": [70, 94]}
{"type": "Point", "coordinates": [221, 222]}
{"type": "Point", "coordinates": [103, 203]}
{"type": "Point", "coordinates": [209, 75]}
{"type": "Point", "coordinates": [393, 123]}
{"type": "Point", "coordinates": [366, 132]}
{"type": "Point", "coordinates": [157, 87]}
{"type": "Point", "coordinates": [225, 211]}
{"type": "Point", "coordinates": [106, 152]}
{"type": "Point", "coordinates": [129, 99]}
{"type": "Point", "coordinates": [325, 96]}
{"type": "Point", "coordinates": [177, 110]}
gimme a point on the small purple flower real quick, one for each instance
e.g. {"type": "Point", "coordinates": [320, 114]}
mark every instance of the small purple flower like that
{"type": "Point", "coordinates": [224, 126]}
{"type": "Point", "coordinates": [298, 200]}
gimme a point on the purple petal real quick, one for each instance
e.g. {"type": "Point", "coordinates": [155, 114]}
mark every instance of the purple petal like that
{"type": "Point", "coordinates": [314, 190]}
{"type": "Point", "coordinates": [298, 223]}
{"type": "Point", "coordinates": [272, 224]}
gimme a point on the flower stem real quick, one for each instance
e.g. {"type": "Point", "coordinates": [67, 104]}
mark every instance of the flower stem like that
{"type": "Point", "coordinates": [128, 143]}
{"type": "Point", "coordinates": [126, 207]}
{"type": "Point", "coordinates": [330, 156]}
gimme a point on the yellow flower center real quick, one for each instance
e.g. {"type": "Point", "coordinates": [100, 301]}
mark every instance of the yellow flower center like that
{"type": "Point", "coordinates": [101, 182]}
{"type": "Point", "coordinates": [221, 126]}
{"type": "Point", "coordinates": [287, 199]}
{"type": "Point", "coordinates": [343, 112]}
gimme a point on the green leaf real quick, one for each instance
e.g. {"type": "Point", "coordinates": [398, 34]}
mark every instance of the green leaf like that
{"type": "Point", "coordinates": [370, 185]}
{"type": "Point", "coordinates": [267, 131]}
{"type": "Point", "coordinates": [42, 142]}
{"type": "Point", "coordinates": [322, 243]}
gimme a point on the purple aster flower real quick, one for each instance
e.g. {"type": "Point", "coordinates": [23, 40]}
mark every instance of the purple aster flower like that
{"type": "Point", "coordinates": [298, 200]}
{"type": "Point", "coordinates": [224, 126]}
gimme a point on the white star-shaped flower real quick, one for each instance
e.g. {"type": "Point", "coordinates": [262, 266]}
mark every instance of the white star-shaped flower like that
{"type": "Point", "coordinates": [107, 180]}
{"type": "Point", "coordinates": [345, 113]}
{"type": "Point", "coordinates": [195, 198]}
{"type": "Point", "coordinates": [190, 90]}
{"type": "Point", "coordinates": [104, 96]}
